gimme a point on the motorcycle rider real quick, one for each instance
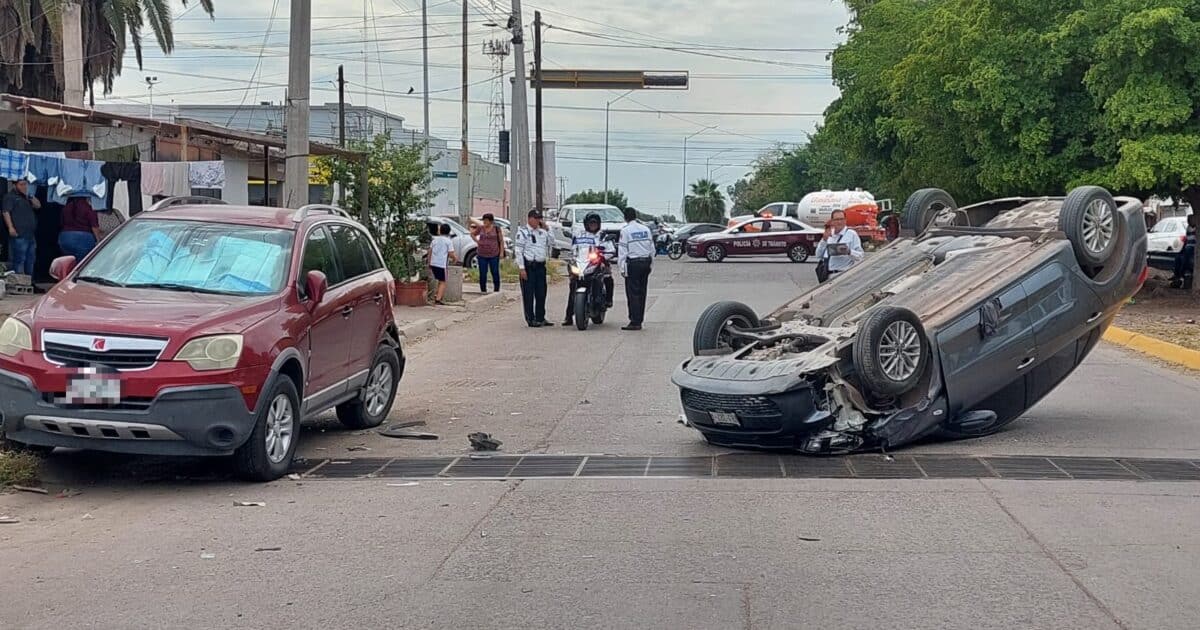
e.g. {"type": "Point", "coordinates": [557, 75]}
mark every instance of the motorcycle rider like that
{"type": "Point", "coordinates": [581, 245]}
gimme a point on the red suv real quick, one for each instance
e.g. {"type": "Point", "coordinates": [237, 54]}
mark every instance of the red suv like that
{"type": "Point", "coordinates": [206, 329]}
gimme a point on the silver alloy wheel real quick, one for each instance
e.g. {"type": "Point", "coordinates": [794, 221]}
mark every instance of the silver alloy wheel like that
{"type": "Point", "coordinates": [798, 254]}
{"type": "Point", "coordinates": [378, 390]}
{"type": "Point", "coordinates": [1098, 226]}
{"type": "Point", "coordinates": [713, 253]}
{"type": "Point", "coordinates": [281, 425]}
{"type": "Point", "coordinates": [900, 351]}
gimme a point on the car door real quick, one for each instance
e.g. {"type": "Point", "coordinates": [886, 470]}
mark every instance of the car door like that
{"type": "Point", "coordinates": [745, 241]}
{"type": "Point", "coordinates": [365, 297]}
{"type": "Point", "coordinates": [986, 352]}
{"type": "Point", "coordinates": [329, 335]}
{"type": "Point", "coordinates": [1062, 309]}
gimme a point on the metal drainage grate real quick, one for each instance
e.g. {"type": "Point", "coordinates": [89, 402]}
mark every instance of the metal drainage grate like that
{"type": "Point", "coordinates": [757, 466]}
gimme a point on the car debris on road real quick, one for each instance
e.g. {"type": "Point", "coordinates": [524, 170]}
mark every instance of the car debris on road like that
{"type": "Point", "coordinates": [484, 442]}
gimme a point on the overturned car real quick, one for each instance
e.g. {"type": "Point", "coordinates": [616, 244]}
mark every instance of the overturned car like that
{"type": "Point", "coordinates": [953, 332]}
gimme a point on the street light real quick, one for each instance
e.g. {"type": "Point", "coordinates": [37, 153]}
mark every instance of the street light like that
{"type": "Point", "coordinates": [685, 164]}
{"type": "Point", "coordinates": [150, 82]}
{"type": "Point", "coordinates": [606, 107]}
{"type": "Point", "coordinates": [708, 162]}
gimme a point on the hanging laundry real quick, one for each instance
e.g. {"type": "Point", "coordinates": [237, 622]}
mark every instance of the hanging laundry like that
{"type": "Point", "coordinates": [207, 175]}
{"type": "Point", "coordinates": [127, 178]}
{"type": "Point", "coordinates": [14, 165]}
{"type": "Point", "coordinates": [81, 178]}
{"type": "Point", "coordinates": [154, 178]}
{"type": "Point", "coordinates": [43, 169]}
{"type": "Point", "coordinates": [176, 182]}
{"type": "Point", "coordinates": [128, 153]}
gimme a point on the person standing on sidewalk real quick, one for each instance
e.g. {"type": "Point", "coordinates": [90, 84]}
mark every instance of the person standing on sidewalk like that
{"type": "Point", "coordinates": [441, 252]}
{"type": "Point", "coordinates": [533, 250]}
{"type": "Point", "coordinates": [490, 250]}
{"type": "Point", "coordinates": [635, 256]}
{"type": "Point", "coordinates": [20, 223]}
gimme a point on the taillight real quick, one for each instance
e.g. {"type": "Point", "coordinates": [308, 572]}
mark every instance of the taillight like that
{"type": "Point", "coordinates": [1144, 275]}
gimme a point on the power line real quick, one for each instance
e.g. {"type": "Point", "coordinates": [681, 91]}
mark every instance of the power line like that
{"type": "Point", "coordinates": [257, 65]}
{"type": "Point", "coordinates": [694, 51]}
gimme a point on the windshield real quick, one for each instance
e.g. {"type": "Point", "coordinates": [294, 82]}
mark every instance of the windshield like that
{"type": "Point", "coordinates": [607, 215]}
{"type": "Point", "coordinates": [1170, 226]}
{"type": "Point", "coordinates": [193, 256]}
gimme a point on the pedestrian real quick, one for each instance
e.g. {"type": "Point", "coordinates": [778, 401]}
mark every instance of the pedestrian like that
{"type": "Point", "coordinates": [634, 257]}
{"type": "Point", "coordinates": [533, 250]}
{"type": "Point", "coordinates": [21, 222]}
{"type": "Point", "coordinates": [1185, 260]}
{"type": "Point", "coordinates": [839, 249]}
{"type": "Point", "coordinates": [490, 250]}
{"type": "Point", "coordinates": [441, 253]}
{"type": "Point", "coordinates": [80, 228]}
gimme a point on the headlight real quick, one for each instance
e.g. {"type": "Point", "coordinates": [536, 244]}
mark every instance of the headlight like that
{"type": "Point", "coordinates": [15, 336]}
{"type": "Point", "coordinates": [221, 352]}
{"type": "Point", "coordinates": [575, 271]}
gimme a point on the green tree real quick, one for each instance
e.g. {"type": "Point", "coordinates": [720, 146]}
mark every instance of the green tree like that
{"type": "Point", "coordinates": [398, 187]}
{"type": "Point", "coordinates": [615, 198]}
{"type": "Point", "coordinates": [706, 204]}
{"type": "Point", "coordinates": [30, 64]}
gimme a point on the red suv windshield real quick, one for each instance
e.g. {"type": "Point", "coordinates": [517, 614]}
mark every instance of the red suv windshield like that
{"type": "Point", "coordinates": [193, 256]}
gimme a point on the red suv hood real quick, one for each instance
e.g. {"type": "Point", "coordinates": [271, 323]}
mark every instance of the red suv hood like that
{"type": "Point", "coordinates": [86, 307]}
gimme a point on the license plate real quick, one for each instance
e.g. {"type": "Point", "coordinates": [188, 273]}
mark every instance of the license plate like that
{"type": "Point", "coordinates": [92, 387]}
{"type": "Point", "coordinates": [724, 418]}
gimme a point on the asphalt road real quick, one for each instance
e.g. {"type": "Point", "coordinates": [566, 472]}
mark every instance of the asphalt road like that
{"type": "Point", "coordinates": [162, 545]}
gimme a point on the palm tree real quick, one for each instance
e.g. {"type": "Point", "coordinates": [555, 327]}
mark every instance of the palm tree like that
{"type": "Point", "coordinates": [706, 204]}
{"type": "Point", "coordinates": [31, 36]}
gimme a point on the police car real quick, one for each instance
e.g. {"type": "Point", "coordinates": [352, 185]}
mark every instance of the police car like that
{"type": "Point", "coordinates": [763, 236]}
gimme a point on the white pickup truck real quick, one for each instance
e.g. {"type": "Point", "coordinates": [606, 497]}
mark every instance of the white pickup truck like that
{"type": "Point", "coordinates": [568, 221]}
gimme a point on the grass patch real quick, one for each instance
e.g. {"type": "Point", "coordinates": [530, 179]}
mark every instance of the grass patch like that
{"type": "Point", "coordinates": [18, 468]}
{"type": "Point", "coordinates": [509, 274]}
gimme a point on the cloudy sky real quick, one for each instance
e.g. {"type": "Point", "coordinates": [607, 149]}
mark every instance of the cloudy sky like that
{"type": "Point", "coordinates": [759, 75]}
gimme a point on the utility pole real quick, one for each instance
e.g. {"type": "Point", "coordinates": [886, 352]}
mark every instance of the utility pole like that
{"type": "Point", "coordinates": [685, 164]}
{"type": "Point", "coordinates": [72, 52]}
{"type": "Point", "coordinates": [425, 56]}
{"type": "Point", "coordinates": [299, 57]}
{"type": "Point", "coordinates": [341, 107]}
{"type": "Point", "coordinates": [464, 165]}
{"type": "Point", "coordinates": [150, 83]}
{"type": "Point", "coordinates": [520, 122]}
{"type": "Point", "coordinates": [539, 168]}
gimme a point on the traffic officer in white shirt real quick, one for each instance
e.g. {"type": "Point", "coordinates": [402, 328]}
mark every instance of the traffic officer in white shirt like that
{"type": "Point", "coordinates": [635, 253]}
{"type": "Point", "coordinates": [841, 246]}
{"type": "Point", "coordinates": [532, 247]}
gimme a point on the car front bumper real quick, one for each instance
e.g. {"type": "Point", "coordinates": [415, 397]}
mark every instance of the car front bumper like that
{"type": "Point", "coordinates": [751, 413]}
{"type": "Point", "coordinates": [193, 420]}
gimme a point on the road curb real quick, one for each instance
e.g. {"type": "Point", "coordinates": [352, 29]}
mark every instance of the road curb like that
{"type": "Point", "coordinates": [485, 302]}
{"type": "Point", "coordinates": [1156, 348]}
{"type": "Point", "coordinates": [419, 328]}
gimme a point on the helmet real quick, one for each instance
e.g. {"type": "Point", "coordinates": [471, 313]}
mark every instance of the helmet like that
{"type": "Point", "coordinates": [592, 219]}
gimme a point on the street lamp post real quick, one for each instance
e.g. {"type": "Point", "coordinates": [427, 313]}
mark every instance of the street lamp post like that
{"type": "Point", "coordinates": [606, 108]}
{"type": "Point", "coordinates": [708, 162]}
{"type": "Point", "coordinates": [150, 81]}
{"type": "Point", "coordinates": [685, 164]}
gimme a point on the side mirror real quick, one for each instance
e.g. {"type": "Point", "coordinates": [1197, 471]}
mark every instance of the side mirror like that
{"type": "Point", "coordinates": [317, 284]}
{"type": "Point", "coordinates": [62, 267]}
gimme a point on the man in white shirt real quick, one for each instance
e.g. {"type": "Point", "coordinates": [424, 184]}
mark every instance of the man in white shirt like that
{"type": "Point", "coordinates": [635, 254]}
{"type": "Point", "coordinates": [841, 247]}
{"type": "Point", "coordinates": [533, 246]}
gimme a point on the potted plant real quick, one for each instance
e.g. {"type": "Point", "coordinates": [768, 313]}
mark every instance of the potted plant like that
{"type": "Point", "coordinates": [398, 185]}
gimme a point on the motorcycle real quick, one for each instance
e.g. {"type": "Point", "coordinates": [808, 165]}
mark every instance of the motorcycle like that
{"type": "Point", "coordinates": [662, 244]}
{"type": "Point", "coordinates": [591, 301]}
{"type": "Point", "coordinates": [676, 250]}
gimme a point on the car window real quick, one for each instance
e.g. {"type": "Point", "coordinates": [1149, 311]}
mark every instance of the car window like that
{"type": "Point", "coordinates": [783, 226]}
{"type": "Point", "coordinates": [1170, 226]}
{"type": "Point", "coordinates": [351, 245]}
{"type": "Point", "coordinates": [319, 256]}
{"type": "Point", "coordinates": [192, 256]}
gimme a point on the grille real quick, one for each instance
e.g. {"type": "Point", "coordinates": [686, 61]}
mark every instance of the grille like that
{"type": "Point", "coordinates": [116, 359]}
{"type": "Point", "coordinates": [741, 405]}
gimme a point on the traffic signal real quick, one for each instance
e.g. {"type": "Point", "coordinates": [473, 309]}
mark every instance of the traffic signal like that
{"type": "Point", "coordinates": [504, 146]}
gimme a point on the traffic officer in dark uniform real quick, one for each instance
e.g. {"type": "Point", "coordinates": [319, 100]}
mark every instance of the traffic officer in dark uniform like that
{"type": "Point", "coordinates": [635, 253]}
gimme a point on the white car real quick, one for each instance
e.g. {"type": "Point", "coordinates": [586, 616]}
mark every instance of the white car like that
{"type": "Point", "coordinates": [569, 221]}
{"type": "Point", "coordinates": [1164, 242]}
{"type": "Point", "coordinates": [464, 245]}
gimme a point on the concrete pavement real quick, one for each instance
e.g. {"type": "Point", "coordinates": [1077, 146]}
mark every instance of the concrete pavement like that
{"type": "Point", "coordinates": [133, 550]}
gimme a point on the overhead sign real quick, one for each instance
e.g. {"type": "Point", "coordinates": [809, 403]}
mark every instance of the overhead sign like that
{"type": "Point", "coordinates": [610, 79]}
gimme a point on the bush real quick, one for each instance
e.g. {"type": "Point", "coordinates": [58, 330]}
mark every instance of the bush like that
{"type": "Point", "coordinates": [18, 468]}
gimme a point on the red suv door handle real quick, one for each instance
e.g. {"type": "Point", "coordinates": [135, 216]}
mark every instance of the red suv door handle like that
{"type": "Point", "coordinates": [378, 298]}
{"type": "Point", "coordinates": [346, 312]}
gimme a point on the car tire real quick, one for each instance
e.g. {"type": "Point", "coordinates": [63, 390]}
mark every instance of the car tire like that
{"type": "Point", "coordinates": [1093, 224]}
{"type": "Point", "coordinates": [798, 254]}
{"type": "Point", "coordinates": [710, 328]}
{"type": "Point", "coordinates": [714, 253]}
{"type": "Point", "coordinates": [581, 310]}
{"type": "Point", "coordinates": [469, 260]}
{"type": "Point", "coordinates": [891, 352]}
{"type": "Point", "coordinates": [373, 404]}
{"type": "Point", "coordinates": [279, 419]}
{"type": "Point", "coordinates": [923, 207]}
